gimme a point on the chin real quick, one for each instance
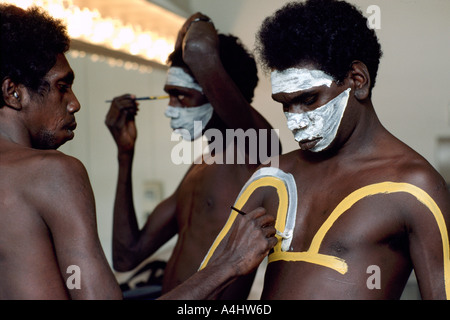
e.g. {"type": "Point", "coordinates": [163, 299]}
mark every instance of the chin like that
{"type": "Point", "coordinates": [50, 144]}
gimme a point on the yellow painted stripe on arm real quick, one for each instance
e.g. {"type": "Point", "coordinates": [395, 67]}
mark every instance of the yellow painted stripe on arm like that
{"type": "Point", "coordinates": [280, 187]}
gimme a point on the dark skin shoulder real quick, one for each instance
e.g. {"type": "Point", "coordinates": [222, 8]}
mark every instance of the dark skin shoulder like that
{"type": "Point", "coordinates": [52, 205]}
{"type": "Point", "coordinates": [387, 230]}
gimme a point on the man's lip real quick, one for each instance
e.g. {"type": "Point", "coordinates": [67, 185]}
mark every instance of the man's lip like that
{"type": "Point", "coordinates": [72, 126]}
{"type": "Point", "coordinates": [308, 144]}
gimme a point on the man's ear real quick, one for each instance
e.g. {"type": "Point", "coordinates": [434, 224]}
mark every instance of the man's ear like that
{"type": "Point", "coordinates": [361, 77]}
{"type": "Point", "coordinates": [11, 94]}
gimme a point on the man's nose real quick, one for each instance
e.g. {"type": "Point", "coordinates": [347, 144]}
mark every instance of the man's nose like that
{"type": "Point", "coordinates": [74, 105]}
{"type": "Point", "coordinates": [171, 112]}
{"type": "Point", "coordinates": [297, 121]}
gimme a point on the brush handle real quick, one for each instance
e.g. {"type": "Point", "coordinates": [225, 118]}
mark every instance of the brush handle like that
{"type": "Point", "coordinates": [146, 98]}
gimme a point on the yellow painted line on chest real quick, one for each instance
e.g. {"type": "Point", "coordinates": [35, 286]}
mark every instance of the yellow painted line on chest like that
{"type": "Point", "coordinates": [313, 255]}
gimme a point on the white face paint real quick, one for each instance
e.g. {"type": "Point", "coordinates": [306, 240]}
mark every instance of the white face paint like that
{"type": "Point", "coordinates": [322, 123]}
{"type": "Point", "coordinates": [176, 76]}
{"type": "Point", "coordinates": [182, 120]}
{"type": "Point", "coordinates": [295, 79]}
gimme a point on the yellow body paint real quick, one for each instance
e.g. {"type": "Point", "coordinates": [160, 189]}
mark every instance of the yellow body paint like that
{"type": "Point", "coordinates": [313, 255]}
{"type": "Point", "coordinates": [278, 184]}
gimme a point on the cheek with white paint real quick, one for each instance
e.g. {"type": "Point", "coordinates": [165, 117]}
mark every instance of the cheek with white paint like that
{"type": "Point", "coordinates": [182, 120]}
{"type": "Point", "coordinates": [322, 122]}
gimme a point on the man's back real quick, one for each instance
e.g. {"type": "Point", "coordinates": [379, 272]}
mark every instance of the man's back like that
{"type": "Point", "coordinates": [361, 216]}
{"type": "Point", "coordinates": [47, 224]}
{"type": "Point", "coordinates": [28, 261]}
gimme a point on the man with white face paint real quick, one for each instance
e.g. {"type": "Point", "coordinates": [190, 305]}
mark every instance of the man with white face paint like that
{"type": "Point", "coordinates": [316, 127]}
{"type": "Point", "coordinates": [211, 79]}
{"type": "Point", "coordinates": [369, 209]}
{"type": "Point", "coordinates": [183, 119]}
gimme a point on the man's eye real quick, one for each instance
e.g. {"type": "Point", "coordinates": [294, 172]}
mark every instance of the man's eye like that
{"type": "Point", "coordinates": [64, 87]}
{"type": "Point", "coordinates": [310, 100]}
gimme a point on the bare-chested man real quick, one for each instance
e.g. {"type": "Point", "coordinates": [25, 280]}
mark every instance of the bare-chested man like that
{"type": "Point", "coordinates": [211, 79]}
{"type": "Point", "coordinates": [48, 227]}
{"type": "Point", "coordinates": [47, 216]}
{"type": "Point", "coordinates": [368, 209]}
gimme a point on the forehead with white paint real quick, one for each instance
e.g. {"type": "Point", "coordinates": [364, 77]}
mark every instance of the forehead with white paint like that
{"type": "Point", "coordinates": [297, 79]}
{"type": "Point", "coordinates": [176, 76]}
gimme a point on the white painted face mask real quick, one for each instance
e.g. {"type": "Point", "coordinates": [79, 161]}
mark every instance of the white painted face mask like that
{"type": "Point", "coordinates": [322, 123]}
{"type": "Point", "coordinates": [182, 120]}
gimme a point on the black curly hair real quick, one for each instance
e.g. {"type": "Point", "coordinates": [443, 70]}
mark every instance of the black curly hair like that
{"type": "Point", "coordinates": [330, 34]}
{"type": "Point", "coordinates": [30, 41]}
{"type": "Point", "coordinates": [237, 61]}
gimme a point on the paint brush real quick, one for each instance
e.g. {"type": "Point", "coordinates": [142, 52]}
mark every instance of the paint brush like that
{"type": "Point", "coordinates": [146, 98]}
{"type": "Point", "coordinates": [281, 234]}
{"type": "Point", "coordinates": [238, 211]}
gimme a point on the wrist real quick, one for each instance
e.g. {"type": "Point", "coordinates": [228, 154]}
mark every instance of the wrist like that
{"type": "Point", "coordinates": [125, 156]}
{"type": "Point", "coordinates": [228, 269]}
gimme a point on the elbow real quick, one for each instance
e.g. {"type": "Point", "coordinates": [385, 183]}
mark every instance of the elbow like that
{"type": "Point", "coordinates": [123, 260]}
{"type": "Point", "coordinates": [122, 265]}
{"type": "Point", "coordinates": [195, 50]}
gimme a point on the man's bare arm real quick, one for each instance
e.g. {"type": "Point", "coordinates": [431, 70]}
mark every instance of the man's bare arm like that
{"type": "Point", "coordinates": [66, 203]}
{"type": "Point", "coordinates": [130, 244]}
{"type": "Point", "coordinates": [428, 237]}
{"type": "Point", "coordinates": [248, 243]}
{"type": "Point", "coordinates": [200, 44]}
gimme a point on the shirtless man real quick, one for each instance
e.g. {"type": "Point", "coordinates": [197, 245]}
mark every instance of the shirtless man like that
{"type": "Point", "coordinates": [47, 215]}
{"type": "Point", "coordinates": [369, 209]}
{"type": "Point", "coordinates": [208, 84]}
{"type": "Point", "coordinates": [48, 229]}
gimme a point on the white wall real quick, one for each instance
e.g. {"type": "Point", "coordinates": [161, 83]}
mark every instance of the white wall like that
{"type": "Point", "coordinates": [94, 146]}
{"type": "Point", "coordinates": [412, 95]}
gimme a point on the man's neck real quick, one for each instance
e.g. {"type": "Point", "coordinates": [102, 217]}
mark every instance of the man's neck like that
{"type": "Point", "coordinates": [13, 133]}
